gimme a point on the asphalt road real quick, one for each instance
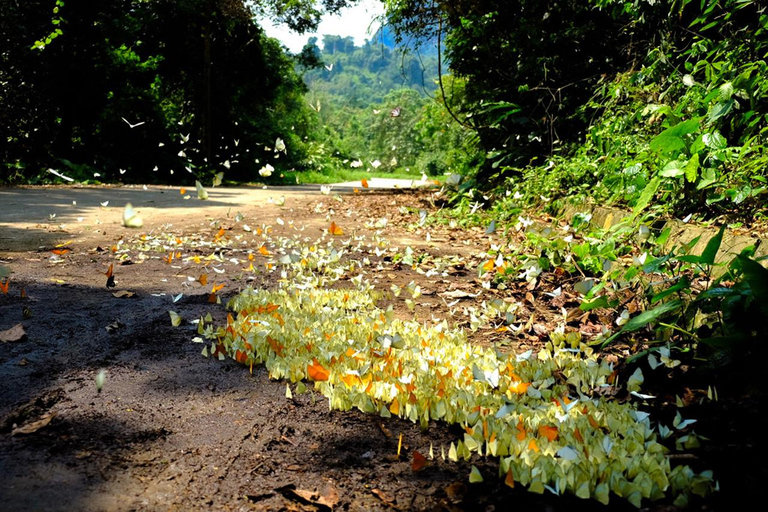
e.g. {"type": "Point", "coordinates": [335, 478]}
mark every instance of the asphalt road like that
{"type": "Point", "coordinates": [38, 217]}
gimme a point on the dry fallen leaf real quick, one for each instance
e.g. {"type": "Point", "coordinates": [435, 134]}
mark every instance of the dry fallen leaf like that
{"type": "Point", "coordinates": [123, 294]}
{"type": "Point", "coordinates": [382, 496]}
{"type": "Point", "coordinates": [31, 428]}
{"type": "Point", "coordinates": [15, 333]}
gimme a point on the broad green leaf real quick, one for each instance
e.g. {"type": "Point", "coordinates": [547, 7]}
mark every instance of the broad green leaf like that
{"type": "Point", "coordinates": [714, 140]}
{"type": "Point", "coordinates": [692, 168]}
{"type": "Point", "coordinates": [651, 315]}
{"type": "Point", "coordinates": [710, 251]}
{"type": "Point", "coordinates": [671, 139]}
{"type": "Point", "coordinates": [662, 238]}
{"type": "Point", "coordinates": [719, 110]}
{"type": "Point", "coordinates": [599, 302]}
{"type": "Point", "coordinates": [645, 197]}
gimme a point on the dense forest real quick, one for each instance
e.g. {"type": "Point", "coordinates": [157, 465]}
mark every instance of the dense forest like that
{"type": "Point", "coordinates": [138, 91]}
{"type": "Point", "coordinates": [625, 100]}
{"type": "Point", "coordinates": [378, 106]}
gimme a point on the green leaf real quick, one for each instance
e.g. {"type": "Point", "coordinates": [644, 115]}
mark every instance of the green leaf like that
{"type": "Point", "coordinates": [756, 277]}
{"type": "Point", "coordinates": [662, 238]}
{"type": "Point", "coordinates": [645, 197]}
{"type": "Point", "coordinates": [710, 251]}
{"type": "Point", "coordinates": [671, 139]}
{"type": "Point", "coordinates": [682, 284]}
{"type": "Point", "coordinates": [719, 110]}
{"type": "Point", "coordinates": [647, 317]}
{"type": "Point", "coordinates": [599, 302]}
{"type": "Point", "coordinates": [714, 140]}
{"type": "Point", "coordinates": [692, 168]}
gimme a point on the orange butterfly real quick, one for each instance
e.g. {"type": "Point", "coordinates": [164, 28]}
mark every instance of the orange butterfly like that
{"type": "Point", "coordinates": [364, 182]}
{"type": "Point", "coordinates": [182, 191]}
{"type": "Point", "coordinates": [316, 372]}
{"type": "Point", "coordinates": [110, 277]}
{"type": "Point", "coordinates": [60, 252]}
{"type": "Point", "coordinates": [203, 279]}
{"type": "Point", "coordinates": [335, 230]}
{"type": "Point", "coordinates": [4, 287]}
{"type": "Point", "coordinates": [419, 461]}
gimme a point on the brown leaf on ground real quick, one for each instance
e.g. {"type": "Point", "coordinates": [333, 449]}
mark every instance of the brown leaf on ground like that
{"type": "Point", "coordinates": [124, 294]}
{"type": "Point", "coordinates": [15, 333]}
{"type": "Point", "coordinates": [31, 428]}
{"type": "Point", "coordinates": [383, 496]}
{"type": "Point", "coordinates": [329, 496]}
{"type": "Point", "coordinates": [325, 500]}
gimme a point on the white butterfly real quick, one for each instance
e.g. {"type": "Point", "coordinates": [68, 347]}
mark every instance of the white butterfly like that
{"type": "Point", "coordinates": [395, 112]}
{"type": "Point", "coordinates": [133, 125]}
{"type": "Point", "coordinates": [56, 173]}
{"type": "Point", "coordinates": [131, 218]}
{"type": "Point", "coordinates": [329, 68]}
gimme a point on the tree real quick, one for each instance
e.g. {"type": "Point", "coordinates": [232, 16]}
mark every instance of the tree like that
{"type": "Point", "coordinates": [529, 65]}
{"type": "Point", "coordinates": [208, 88]}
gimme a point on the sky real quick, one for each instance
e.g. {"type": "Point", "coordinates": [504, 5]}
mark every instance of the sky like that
{"type": "Point", "coordinates": [353, 21]}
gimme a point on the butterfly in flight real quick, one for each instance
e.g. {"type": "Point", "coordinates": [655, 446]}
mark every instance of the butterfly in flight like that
{"type": "Point", "coordinates": [134, 125]}
{"type": "Point", "coordinates": [395, 112]}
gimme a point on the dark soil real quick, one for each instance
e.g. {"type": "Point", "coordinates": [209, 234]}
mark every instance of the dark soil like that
{"type": "Point", "coordinates": [172, 430]}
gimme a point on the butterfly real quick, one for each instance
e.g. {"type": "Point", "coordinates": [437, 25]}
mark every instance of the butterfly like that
{"type": "Point", "coordinates": [395, 112]}
{"type": "Point", "coordinates": [218, 178]}
{"type": "Point", "coordinates": [56, 173]}
{"type": "Point", "coordinates": [4, 286]}
{"type": "Point", "coordinates": [133, 125]}
{"type": "Point", "coordinates": [130, 218]}
{"type": "Point", "coordinates": [110, 277]}
{"type": "Point", "coordinates": [175, 318]}
{"type": "Point", "coordinates": [201, 192]}
{"type": "Point", "coordinates": [329, 68]}
{"type": "Point", "coordinates": [335, 230]}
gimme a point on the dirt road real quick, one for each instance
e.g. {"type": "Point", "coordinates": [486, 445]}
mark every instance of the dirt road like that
{"type": "Point", "coordinates": [171, 429]}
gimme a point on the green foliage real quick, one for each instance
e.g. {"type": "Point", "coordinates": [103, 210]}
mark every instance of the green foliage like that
{"type": "Point", "coordinates": [355, 95]}
{"type": "Point", "coordinates": [148, 91]}
{"type": "Point", "coordinates": [666, 97]}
